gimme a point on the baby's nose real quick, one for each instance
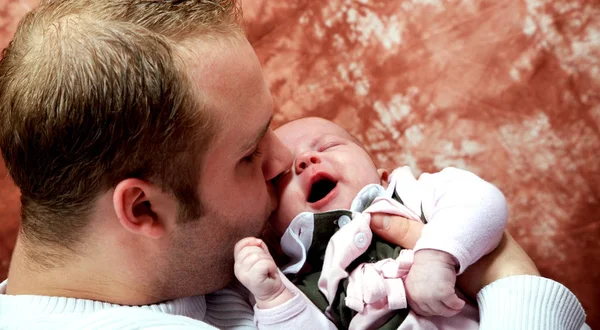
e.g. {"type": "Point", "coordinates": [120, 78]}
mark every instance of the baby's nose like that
{"type": "Point", "coordinates": [305, 160]}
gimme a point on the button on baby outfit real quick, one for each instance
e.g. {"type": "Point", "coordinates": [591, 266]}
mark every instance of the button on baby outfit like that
{"type": "Point", "coordinates": [360, 240]}
{"type": "Point", "coordinates": [343, 220]}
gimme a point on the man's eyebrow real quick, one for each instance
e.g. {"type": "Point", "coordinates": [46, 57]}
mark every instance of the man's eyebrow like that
{"type": "Point", "coordinates": [252, 144]}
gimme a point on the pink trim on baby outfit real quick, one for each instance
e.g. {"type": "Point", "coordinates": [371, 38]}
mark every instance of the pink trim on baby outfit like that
{"type": "Point", "coordinates": [383, 280]}
{"type": "Point", "coordinates": [374, 289]}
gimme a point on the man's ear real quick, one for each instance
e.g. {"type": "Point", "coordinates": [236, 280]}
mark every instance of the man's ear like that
{"type": "Point", "coordinates": [143, 208]}
{"type": "Point", "coordinates": [384, 176]}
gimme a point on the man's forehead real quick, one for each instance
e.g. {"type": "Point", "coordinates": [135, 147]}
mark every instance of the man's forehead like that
{"type": "Point", "coordinates": [222, 65]}
{"type": "Point", "coordinates": [226, 75]}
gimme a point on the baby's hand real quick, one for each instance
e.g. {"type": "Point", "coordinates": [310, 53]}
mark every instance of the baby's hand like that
{"type": "Point", "coordinates": [256, 270]}
{"type": "Point", "coordinates": [430, 284]}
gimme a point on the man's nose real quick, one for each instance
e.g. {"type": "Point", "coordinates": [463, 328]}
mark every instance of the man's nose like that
{"type": "Point", "coordinates": [279, 158]}
{"type": "Point", "coordinates": [305, 160]}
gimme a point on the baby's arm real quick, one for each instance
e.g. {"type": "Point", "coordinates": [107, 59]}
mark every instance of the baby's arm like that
{"type": "Point", "coordinates": [465, 215]}
{"type": "Point", "coordinates": [279, 305]}
{"type": "Point", "coordinates": [465, 219]}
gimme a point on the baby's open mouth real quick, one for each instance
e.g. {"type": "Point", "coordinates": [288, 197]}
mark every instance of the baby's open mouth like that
{"type": "Point", "coordinates": [320, 189]}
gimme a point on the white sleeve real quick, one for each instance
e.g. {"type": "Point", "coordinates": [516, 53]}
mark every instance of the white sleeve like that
{"type": "Point", "coordinates": [297, 313]}
{"type": "Point", "coordinates": [529, 303]}
{"type": "Point", "coordinates": [465, 214]}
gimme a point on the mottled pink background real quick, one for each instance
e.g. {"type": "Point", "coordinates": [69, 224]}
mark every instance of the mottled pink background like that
{"type": "Point", "coordinates": [507, 89]}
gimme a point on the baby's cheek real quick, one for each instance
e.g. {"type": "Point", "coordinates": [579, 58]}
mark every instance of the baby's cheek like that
{"type": "Point", "coordinates": [291, 203]}
{"type": "Point", "coordinates": [280, 219]}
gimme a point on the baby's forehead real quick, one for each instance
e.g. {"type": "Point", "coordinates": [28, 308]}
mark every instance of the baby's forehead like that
{"type": "Point", "coordinates": [310, 129]}
{"type": "Point", "coordinates": [308, 132]}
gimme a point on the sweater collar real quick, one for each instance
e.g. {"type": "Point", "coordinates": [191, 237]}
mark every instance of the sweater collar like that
{"type": "Point", "coordinates": [193, 307]}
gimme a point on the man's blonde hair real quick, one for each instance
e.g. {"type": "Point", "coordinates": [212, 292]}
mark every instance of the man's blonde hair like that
{"type": "Point", "coordinates": [93, 92]}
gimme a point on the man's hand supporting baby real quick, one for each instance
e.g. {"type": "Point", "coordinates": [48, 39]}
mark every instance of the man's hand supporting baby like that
{"type": "Point", "coordinates": [430, 284]}
{"type": "Point", "coordinates": [256, 270]}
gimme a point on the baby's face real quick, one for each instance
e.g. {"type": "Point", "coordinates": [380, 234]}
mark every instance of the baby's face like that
{"type": "Point", "coordinates": [329, 169]}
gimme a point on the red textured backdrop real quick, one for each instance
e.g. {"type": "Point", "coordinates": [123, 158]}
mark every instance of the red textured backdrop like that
{"type": "Point", "coordinates": [507, 89]}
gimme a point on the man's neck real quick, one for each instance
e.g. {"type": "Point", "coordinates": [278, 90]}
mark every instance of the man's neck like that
{"type": "Point", "coordinates": [76, 279]}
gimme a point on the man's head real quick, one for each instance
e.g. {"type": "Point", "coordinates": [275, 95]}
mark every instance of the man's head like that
{"type": "Point", "coordinates": [134, 124]}
{"type": "Point", "coordinates": [330, 167]}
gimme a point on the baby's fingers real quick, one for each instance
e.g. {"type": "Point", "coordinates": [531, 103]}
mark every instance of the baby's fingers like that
{"type": "Point", "coordinates": [422, 309]}
{"type": "Point", "coordinates": [453, 302]}
{"type": "Point", "coordinates": [254, 266]}
{"type": "Point", "coordinates": [448, 306]}
{"type": "Point", "coordinates": [251, 255]}
{"type": "Point", "coordinates": [249, 245]}
{"type": "Point", "coordinates": [244, 242]}
{"type": "Point", "coordinates": [440, 308]}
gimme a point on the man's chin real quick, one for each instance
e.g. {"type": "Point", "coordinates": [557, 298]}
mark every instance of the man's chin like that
{"type": "Point", "coordinates": [219, 283]}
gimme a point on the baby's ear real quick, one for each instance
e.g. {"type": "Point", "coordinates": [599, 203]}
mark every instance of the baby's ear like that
{"type": "Point", "coordinates": [384, 176]}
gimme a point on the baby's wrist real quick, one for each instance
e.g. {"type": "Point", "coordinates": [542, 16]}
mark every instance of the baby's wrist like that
{"type": "Point", "coordinates": [430, 255]}
{"type": "Point", "coordinates": [275, 300]}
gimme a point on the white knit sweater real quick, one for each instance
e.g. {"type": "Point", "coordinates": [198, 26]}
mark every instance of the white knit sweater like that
{"type": "Point", "coordinates": [517, 302]}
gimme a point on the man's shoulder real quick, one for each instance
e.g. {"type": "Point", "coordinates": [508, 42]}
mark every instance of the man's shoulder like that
{"type": "Point", "coordinates": [139, 318]}
{"type": "Point", "coordinates": [112, 318]}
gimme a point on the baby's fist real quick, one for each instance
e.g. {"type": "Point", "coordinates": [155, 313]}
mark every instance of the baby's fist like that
{"type": "Point", "coordinates": [430, 284]}
{"type": "Point", "coordinates": [256, 270]}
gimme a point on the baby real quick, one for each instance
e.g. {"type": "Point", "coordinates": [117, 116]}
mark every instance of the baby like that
{"type": "Point", "coordinates": [355, 278]}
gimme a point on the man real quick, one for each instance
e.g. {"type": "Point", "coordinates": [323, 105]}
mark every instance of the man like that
{"type": "Point", "coordinates": [139, 135]}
